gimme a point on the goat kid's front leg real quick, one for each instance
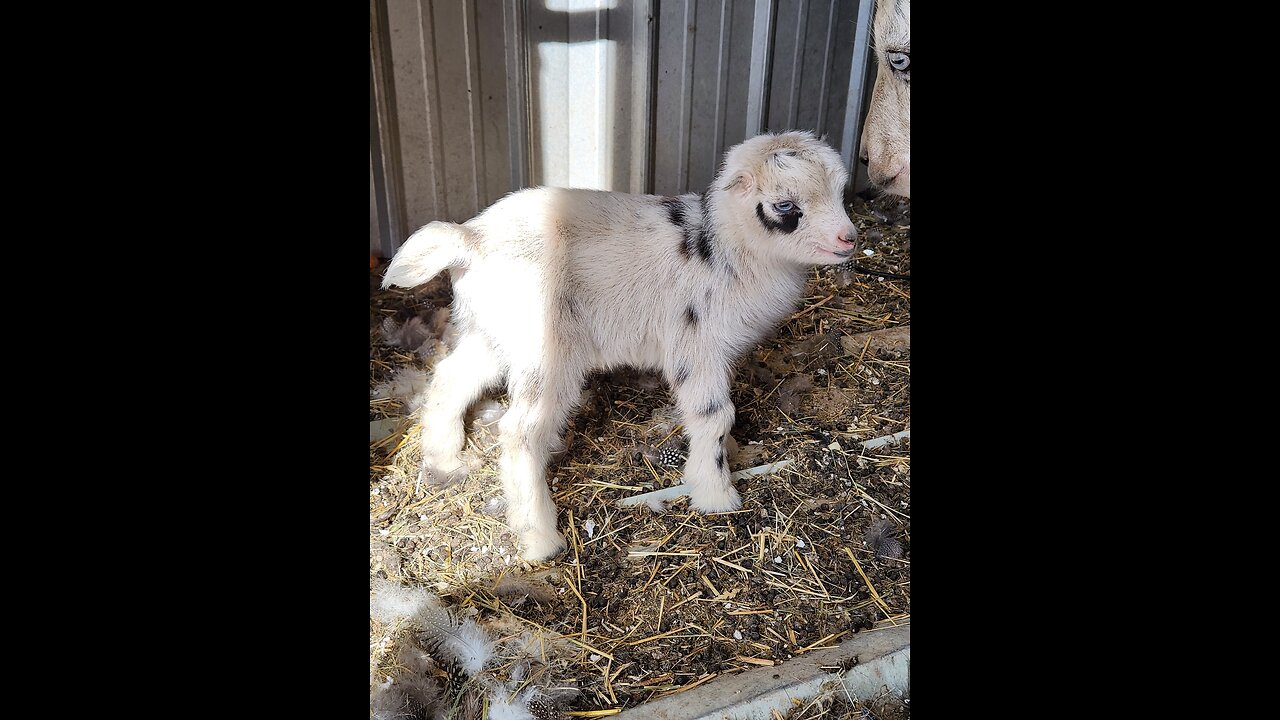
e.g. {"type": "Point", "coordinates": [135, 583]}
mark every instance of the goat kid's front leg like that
{"type": "Point", "coordinates": [708, 417]}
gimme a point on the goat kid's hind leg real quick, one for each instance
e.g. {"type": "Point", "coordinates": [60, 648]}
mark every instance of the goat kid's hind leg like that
{"type": "Point", "coordinates": [541, 401]}
{"type": "Point", "coordinates": [458, 381]}
{"type": "Point", "coordinates": [708, 417]}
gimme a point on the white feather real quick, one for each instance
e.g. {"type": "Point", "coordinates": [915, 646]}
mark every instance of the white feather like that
{"type": "Point", "coordinates": [506, 707]}
{"type": "Point", "coordinates": [468, 645]}
{"type": "Point", "coordinates": [392, 604]}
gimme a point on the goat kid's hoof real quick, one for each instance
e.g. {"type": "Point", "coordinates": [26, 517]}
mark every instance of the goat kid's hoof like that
{"type": "Point", "coordinates": [542, 546]}
{"type": "Point", "coordinates": [443, 472]}
{"type": "Point", "coordinates": [714, 500]}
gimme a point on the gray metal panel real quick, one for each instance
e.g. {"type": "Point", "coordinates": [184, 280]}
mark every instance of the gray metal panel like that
{"type": "Point", "coordinates": [705, 53]}
{"type": "Point", "coordinates": [644, 54]}
{"type": "Point", "coordinates": [761, 46]}
{"type": "Point", "coordinates": [449, 71]}
{"type": "Point", "coordinates": [845, 24]}
{"type": "Point", "coordinates": [741, 49]}
{"type": "Point", "coordinates": [674, 96]}
{"type": "Point", "coordinates": [375, 226]}
{"type": "Point", "coordinates": [859, 92]}
{"type": "Point", "coordinates": [516, 69]}
{"type": "Point", "coordinates": [387, 212]}
{"type": "Point", "coordinates": [491, 121]}
{"type": "Point", "coordinates": [710, 77]}
{"type": "Point", "coordinates": [816, 64]}
{"type": "Point", "coordinates": [412, 44]}
{"type": "Point", "coordinates": [456, 78]}
{"type": "Point", "coordinates": [788, 44]}
{"type": "Point", "coordinates": [817, 42]}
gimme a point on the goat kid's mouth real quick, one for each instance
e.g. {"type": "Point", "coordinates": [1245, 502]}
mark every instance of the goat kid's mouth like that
{"type": "Point", "coordinates": [841, 253]}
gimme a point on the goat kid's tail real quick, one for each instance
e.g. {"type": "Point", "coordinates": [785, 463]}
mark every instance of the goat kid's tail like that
{"type": "Point", "coordinates": [426, 253]}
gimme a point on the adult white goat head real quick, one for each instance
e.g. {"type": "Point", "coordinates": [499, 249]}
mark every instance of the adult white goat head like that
{"type": "Point", "coordinates": [886, 138]}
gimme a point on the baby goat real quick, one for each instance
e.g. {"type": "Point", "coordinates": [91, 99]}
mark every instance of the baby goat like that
{"type": "Point", "coordinates": [550, 284]}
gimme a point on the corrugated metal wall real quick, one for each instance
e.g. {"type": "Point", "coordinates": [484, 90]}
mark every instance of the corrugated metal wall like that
{"type": "Point", "coordinates": [470, 99]}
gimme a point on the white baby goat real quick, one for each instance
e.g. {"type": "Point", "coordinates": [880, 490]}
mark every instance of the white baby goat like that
{"type": "Point", "coordinates": [886, 137]}
{"type": "Point", "coordinates": [550, 284]}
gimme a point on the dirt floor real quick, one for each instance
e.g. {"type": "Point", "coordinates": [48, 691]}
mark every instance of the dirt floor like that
{"type": "Point", "coordinates": [646, 604]}
{"type": "Point", "coordinates": [833, 703]}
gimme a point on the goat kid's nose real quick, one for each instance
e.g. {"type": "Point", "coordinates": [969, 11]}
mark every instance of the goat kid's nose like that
{"type": "Point", "coordinates": [862, 157]}
{"type": "Point", "coordinates": [848, 236]}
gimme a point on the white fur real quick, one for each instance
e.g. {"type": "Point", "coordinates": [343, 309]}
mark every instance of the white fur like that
{"type": "Point", "coordinates": [886, 137]}
{"type": "Point", "coordinates": [550, 284]}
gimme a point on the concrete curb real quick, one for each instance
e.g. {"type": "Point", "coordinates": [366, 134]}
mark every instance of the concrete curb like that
{"type": "Point", "coordinates": [883, 662]}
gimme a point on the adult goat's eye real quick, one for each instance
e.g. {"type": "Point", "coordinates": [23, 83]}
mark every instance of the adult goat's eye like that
{"type": "Point", "coordinates": [784, 207]}
{"type": "Point", "coordinates": [900, 61]}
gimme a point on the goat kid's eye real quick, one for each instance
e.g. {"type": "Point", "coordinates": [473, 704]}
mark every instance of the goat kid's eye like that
{"type": "Point", "coordinates": [900, 61]}
{"type": "Point", "coordinates": [783, 208]}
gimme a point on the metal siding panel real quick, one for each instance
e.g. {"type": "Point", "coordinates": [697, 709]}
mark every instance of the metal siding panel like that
{"type": "Point", "coordinates": [548, 34]}
{"type": "Point", "coordinates": [643, 48]}
{"type": "Point", "coordinates": [492, 121]}
{"type": "Point", "coordinates": [785, 78]}
{"type": "Point", "coordinates": [838, 85]}
{"type": "Point", "coordinates": [859, 88]}
{"type": "Point", "coordinates": [671, 121]}
{"type": "Point", "coordinates": [454, 50]}
{"type": "Point", "coordinates": [414, 74]}
{"type": "Point", "coordinates": [384, 146]}
{"type": "Point", "coordinates": [375, 227]}
{"type": "Point", "coordinates": [815, 72]}
{"type": "Point", "coordinates": [707, 75]}
{"type": "Point", "coordinates": [624, 117]}
{"type": "Point", "coordinates": [741, 18]}
{"type": "Point", "coordinates": [758, 81]}
{"type": "Point", "coordinates": [516, 59]}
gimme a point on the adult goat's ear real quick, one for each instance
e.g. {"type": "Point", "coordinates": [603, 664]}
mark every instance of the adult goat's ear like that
{"type": "Point", "coordinates": [743, 181]}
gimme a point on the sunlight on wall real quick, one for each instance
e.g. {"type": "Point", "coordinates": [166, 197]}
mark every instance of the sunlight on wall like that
{"type": "Point", "coordinates": [580, 5]}
{"type": "Point", "coordinates": [576, 99]}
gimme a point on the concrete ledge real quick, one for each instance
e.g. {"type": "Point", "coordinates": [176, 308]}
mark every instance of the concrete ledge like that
{"type": "Point", "coordinates": [883, 662]}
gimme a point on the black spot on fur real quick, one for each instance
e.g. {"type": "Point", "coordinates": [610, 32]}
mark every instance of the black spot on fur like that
{"type": "Point", "coordinates": [675, 211]}
{"type": "Point", "coordinates": [712, 408]}
{"type": "Point", "coordinates": [677, 214]}
{"type": "Point", "coordinates": [682, 374]}
{"type": "Point", "coordinates": [704, 245]}
{"type": "Point", "coordinates": [721, 440]}
{"type": "Point", "coordinates": [706, 238]}
{"type": "Point", "coordinates": [720, 461]}
{"type": "Point", "coordinates": [690, 316]}
{"type": "Point", "coordinates": [789, 223]}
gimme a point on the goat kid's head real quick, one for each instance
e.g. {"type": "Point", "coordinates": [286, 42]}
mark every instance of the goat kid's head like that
{"type": "Point", "coordinates": [886, 138]}
{"type": "Point", "coordinates": [791, 186]}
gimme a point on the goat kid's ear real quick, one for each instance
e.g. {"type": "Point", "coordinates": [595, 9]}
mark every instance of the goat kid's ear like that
{"type": "Point", "coordinates": [743, 181]}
